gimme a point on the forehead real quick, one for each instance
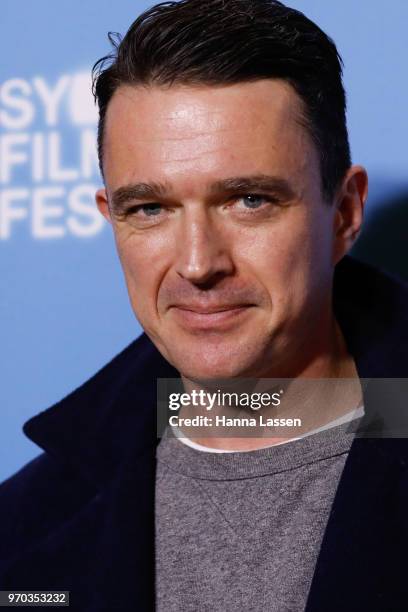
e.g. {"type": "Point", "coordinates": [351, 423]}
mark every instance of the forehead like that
{"type": "Point", "coordinates": [156, 133]}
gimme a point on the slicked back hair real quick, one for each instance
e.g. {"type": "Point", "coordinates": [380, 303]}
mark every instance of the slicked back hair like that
{"type": "Point", "coordinates": [222, 42]}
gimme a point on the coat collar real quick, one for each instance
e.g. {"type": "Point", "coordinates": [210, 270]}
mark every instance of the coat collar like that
{"type": "Point", "coordinates": [92, 429]}
{"type": "Point", "coordinates": [115, 411]}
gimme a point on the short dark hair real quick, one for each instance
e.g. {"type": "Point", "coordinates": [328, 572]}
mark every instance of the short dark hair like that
{"type": "Point", "coordinates": [220, 42]}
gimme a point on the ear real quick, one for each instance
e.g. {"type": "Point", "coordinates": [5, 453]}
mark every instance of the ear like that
{"type": "Point", "coordinates": [101, 198]}
{"type": "Point", "coordinates": [348, 217]}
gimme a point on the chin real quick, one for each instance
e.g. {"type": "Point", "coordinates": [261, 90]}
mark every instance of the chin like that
{"type": "Point", "coordinates": [210, 373]}
{"type": "Point", "coordinates": [207, 363]}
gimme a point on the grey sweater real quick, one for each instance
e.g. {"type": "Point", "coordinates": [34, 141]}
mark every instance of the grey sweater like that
{"type": "Point", "coordinates": [242, 531]}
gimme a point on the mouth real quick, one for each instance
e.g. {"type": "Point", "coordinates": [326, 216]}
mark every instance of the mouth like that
{"type": "Point", "coordinates": [207, 318]}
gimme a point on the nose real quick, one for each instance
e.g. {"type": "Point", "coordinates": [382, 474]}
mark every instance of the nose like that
{"type": "Point", "coordinates": [202, 255]}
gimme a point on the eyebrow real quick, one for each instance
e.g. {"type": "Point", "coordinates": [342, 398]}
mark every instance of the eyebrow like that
{"type": "Point", "coordinates": [256, 182]}
{"type": "Point", "coordinates": [238, 185]}
{"type": "Point", "coordinates": [136, 191]}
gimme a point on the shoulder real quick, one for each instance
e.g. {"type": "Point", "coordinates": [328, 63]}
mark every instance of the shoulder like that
{"type": "Point", "coordinates": [370, 285]}
{"type": "Point", "coordinates": [371, 307]}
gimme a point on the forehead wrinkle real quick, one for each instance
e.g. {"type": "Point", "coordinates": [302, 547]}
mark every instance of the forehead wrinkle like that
{"type": "Point", "coordinates": [194, 136]}
{"type": "Point", "coordinates": [189, 159]}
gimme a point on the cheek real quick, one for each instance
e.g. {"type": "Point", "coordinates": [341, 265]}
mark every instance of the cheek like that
{"type": "Point", "coordinates": [275, 249]}
{"type": "Point", "coordinates": [287, 259]}
{"type": "Point", "coordinates": [144, 264]}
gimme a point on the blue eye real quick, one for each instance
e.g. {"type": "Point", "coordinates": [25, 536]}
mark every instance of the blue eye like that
{"type": "Point", "coordinates": [253, 201]}
{"type": "Point", "coordinates": [150, 210]}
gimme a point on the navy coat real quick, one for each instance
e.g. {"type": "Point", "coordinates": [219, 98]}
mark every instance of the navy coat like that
{"type": "Point", "coordinates": [80, 516]}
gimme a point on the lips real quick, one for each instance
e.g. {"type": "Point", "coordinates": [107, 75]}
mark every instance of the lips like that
{"type": "Point", "coordinates": [210, 310]}
{"type": "Point", "coordinates": [204, 317]}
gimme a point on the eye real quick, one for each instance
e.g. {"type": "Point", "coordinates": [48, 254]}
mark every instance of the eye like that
{"type": "Point", "coordinates": [250, 203]}
{"type": "Point", "coordinates": [253, 200]}
{"type": "Point", "coordinates": [149, 210]}
{"type": "Point", "coordinates": [145, 215]}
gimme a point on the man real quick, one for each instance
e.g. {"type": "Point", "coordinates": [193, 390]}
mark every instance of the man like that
{"type": "Point", "coordinates": [229, 186]}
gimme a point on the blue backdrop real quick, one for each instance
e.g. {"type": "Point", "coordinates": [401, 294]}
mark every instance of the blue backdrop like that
{"type": "Point", "coordinates": [64, 307]}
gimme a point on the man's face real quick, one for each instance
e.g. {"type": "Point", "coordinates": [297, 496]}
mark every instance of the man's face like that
{"type": "Point", "coordinates": [224, 238]}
